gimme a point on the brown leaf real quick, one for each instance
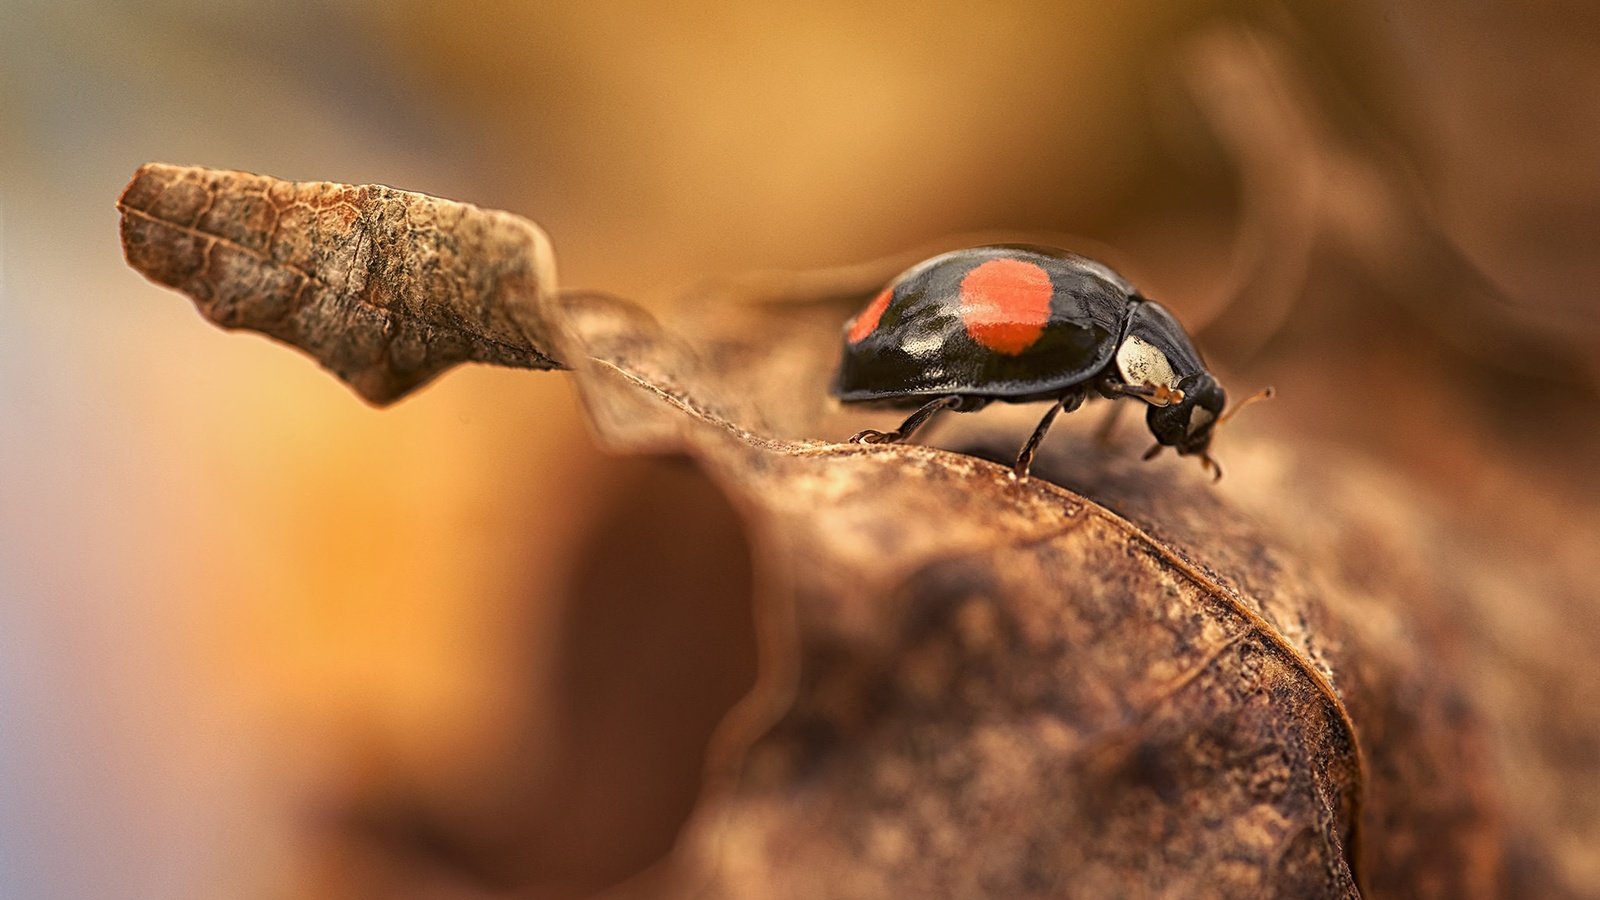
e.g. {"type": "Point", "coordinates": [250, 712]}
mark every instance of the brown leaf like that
{"type": "Point", "coordinates": [933, 670]}
{"type": "Point", "coordinates": [385, 288]}
{"type": "Point", "coordinates": [973, 687]}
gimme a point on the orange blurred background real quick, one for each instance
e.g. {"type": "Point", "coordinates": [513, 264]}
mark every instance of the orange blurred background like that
{"type": "Point", "coordinates": [234, 597]}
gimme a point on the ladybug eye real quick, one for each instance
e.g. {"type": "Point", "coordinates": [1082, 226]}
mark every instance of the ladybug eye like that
{"type": "Point", "coordinates": [1199, 418]}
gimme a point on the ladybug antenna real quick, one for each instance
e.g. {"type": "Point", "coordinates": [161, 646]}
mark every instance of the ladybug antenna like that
{"type": "Point", "coordinates": [1265, 393]}
{"type": "Point", "coordinates": [1212, 466]}
{"type": "Point", "coordinates": [1153, 452]}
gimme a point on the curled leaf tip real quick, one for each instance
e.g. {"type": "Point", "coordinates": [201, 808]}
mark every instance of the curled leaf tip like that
{"type": "Point", "coordinates": [385, 288]}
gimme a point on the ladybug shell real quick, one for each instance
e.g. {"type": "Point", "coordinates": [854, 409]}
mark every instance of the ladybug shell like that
{"type": "Point", "coordinates": [1007, 322]}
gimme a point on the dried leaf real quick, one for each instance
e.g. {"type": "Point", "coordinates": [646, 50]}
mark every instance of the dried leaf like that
{"type": "Point", "coordinates": [385, 288]}
{"type": "Point", "coordinates": [975, 687]}
{"type": "Point", "coordinates": [949, 713]}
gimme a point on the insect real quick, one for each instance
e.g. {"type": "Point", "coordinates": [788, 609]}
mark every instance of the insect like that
{"type": "Point", "coordinates": [1019, 323]}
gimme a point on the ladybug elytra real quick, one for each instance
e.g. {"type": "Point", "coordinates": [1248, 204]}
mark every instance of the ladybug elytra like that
{"type": "Point", "coordinates": [1018, 323]}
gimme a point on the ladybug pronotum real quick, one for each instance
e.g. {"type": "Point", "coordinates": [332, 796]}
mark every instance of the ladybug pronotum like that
{"type": "Point", "coordinates": [1020, 323]}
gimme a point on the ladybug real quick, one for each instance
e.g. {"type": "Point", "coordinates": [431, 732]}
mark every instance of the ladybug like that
{"type": "Point", "coordinates": [1019, 323]}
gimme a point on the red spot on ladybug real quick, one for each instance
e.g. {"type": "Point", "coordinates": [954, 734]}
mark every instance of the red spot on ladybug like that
{"type": "Point", "coordinates": [868, 320]}
{"type": "Point", "coordinates": [1005, 304]}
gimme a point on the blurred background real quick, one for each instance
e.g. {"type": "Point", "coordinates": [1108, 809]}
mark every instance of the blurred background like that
{"type": "Point", "coordinates": [258, 639]}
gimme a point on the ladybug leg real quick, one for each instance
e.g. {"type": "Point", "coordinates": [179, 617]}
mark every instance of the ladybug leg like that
{"type": "Point", "coordinates": [1066, 403]}
{"type": "Point", "coordinates": [910, 425]}
{"type": "Point", "coordinates": [1155, 394]}
{"type": "Point", "coordinates": [1110, 388]}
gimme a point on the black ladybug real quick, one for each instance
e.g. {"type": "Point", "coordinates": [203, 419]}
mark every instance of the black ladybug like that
{"type": "Point", "coordinates": [1020, 323]}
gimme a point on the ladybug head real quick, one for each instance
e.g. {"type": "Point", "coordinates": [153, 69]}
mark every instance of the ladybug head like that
{"type": "Point", "coordinates": [1188, 424]}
